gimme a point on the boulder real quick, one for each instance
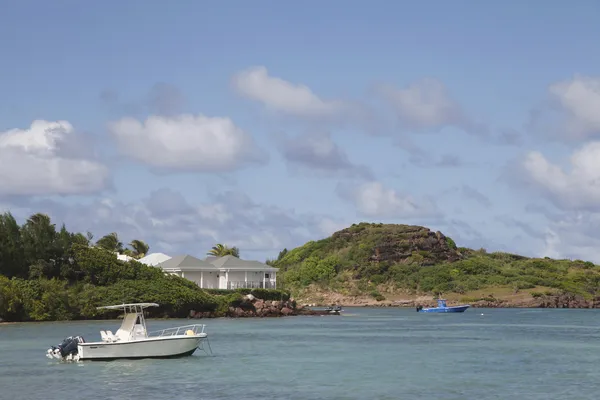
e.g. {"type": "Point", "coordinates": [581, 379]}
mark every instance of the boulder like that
{"type": "Point", "coordinates": [238, 312]}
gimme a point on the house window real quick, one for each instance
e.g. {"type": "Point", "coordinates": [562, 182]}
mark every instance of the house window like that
{"type": "Point", "coordinates": [266, 276]}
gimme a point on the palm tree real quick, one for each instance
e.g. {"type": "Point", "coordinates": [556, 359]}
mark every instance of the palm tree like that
{"type": "Point", "coordinates": [140, 248]}
{"type": "Point", "coordinates": [111, 242]}
{"type": "Point", "coordinates": [39, 238]}
{"type": "Point", "coordinates": [39, 219]}
{"type": "Point", "coordinates": [220, 250]}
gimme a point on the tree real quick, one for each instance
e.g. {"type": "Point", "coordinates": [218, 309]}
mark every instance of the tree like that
{"type": "Point", "coordinates": [282, 254]}
{"type": "Point", "coordinates": [12, 256]}
{"type": "Point", "coordinates": [39, 239]}
{"type": "Point", "coordinates": [111, 242]}
{"type": "Point", "coordinates": [139, 248]}
{"type": "Point", "coordinates": [220, 250]}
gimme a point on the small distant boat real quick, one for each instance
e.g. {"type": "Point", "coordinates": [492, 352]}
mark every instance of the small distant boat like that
{"type": "Point", "coordinates": [334, 310]}
{"type": "Point", "coordinates": [132, 341]}
{"type": "Point", "coordinates": [443, 308]}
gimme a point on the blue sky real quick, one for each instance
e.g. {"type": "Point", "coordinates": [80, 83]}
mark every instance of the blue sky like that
{"type": "Point", "coordinates": [265, 125]}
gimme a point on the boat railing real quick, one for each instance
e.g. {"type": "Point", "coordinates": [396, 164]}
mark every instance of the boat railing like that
{"type": "Point", "coordinates": [196, 329]}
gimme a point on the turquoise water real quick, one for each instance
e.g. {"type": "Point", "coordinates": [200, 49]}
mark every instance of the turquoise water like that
{"type": "Point", "coordinates": [385, 353]}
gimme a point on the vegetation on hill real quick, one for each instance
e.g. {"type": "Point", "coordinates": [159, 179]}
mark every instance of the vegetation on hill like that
{"type": "Point", "coordinates": [49, 274]}
{"type": "Point", "coordinates": [378, 259]}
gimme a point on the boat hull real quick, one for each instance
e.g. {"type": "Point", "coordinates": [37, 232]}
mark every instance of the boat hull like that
{"type": "Point", "coordinates": [456, 309]}
{"type": "Point", "coordinates": [159, 347]}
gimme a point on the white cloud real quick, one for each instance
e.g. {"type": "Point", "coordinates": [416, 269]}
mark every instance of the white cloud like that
{"type": "Point", "coordinates": [574, 235]}
{"type": "Point", "coordinates": [578, 188]}
{"type": "Point", "coordinates": [171, 223]}
{"type": "Point", "coordinates": [372, 199]}
{"type": "Point", "coordinates": [579, 98]}
{"type": "Point", "coordinates": [36, 161]}
{"type": "Point", "coordinates": [425, 105]}
{"type": "Point", "coordinates": [186, 142]}
{"type": "Point", "coordinates": [280, 95]}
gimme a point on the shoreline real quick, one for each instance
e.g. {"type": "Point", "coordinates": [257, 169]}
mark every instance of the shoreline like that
{"type": "Point", "coordinates": [257, 308]}
{"type": "Point", "coordinates": [510, 306]}
{"type": "Point", "coordinates": [482, 299]}
{"type": "Point", "coordinates": [310, 313]}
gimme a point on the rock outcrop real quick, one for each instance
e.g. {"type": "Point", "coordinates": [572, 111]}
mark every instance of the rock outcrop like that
{"type": "Point", "coordinates": [400, 243]}
{"type": "Point", "coordinates": [255, 307]}
{"type": "Point", "coordinates": [567, 301]}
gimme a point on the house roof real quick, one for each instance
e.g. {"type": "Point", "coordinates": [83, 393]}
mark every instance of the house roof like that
{"type": "Point", "coordinates": [232, 262]}
{"type": "Point", "coordinates": [186, 263]}
{"type": "Point", "coordinates": [154, 259]}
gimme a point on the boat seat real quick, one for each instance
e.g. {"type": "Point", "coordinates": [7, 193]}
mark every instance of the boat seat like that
{"type": "Point", "coordinates": [103, 336]}
{"type": "Point", "coordinates": [110, 337]}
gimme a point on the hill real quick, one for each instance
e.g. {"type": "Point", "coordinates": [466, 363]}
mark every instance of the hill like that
{"type": "Point", "coordinates": [370, 263]}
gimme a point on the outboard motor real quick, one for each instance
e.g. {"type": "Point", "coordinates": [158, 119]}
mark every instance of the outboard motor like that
{"type": "Point", "coordinates": [419, 308]}
{"type": "Point", "coordinates": [67, 350]}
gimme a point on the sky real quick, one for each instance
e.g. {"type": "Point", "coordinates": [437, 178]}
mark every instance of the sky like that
{"type": "Point", "coordinates": [264, 125]}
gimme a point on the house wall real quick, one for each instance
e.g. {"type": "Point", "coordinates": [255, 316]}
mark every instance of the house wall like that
{"type": "Point", "coordinates": [218, 279]}
{"type": "Point", "coordinates": [204, 279]}
{"type": "Point", "coordinates": [236, 278]}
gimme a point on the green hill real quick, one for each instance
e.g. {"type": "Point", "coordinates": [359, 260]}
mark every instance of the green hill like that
{"type": "Point", "coordinates": [387, 261]}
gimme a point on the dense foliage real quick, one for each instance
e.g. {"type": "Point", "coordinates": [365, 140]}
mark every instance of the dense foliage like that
{"type": "Point", "coordinates": [371, 258]}
{"type": "Point", "coordinates": [49, 274]}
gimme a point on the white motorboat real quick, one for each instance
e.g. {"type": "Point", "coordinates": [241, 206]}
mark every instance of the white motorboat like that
{"type": "Point", "coordinates": [132, 341]}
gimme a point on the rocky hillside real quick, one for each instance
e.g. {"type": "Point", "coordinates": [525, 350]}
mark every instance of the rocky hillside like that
{"type": "Point", "coordinates": [386, 261]}
{"type": "Point", "coordinates": [366, 249]}
{"type": "Point", "coordinates": [403, 244]}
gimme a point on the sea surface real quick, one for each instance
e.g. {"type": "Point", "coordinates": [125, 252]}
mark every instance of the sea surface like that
{"type": "Point", "coordinates": [367, 353]}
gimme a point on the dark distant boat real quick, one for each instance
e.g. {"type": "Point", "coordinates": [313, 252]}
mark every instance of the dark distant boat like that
{"type": "Point", "coordinates": [443, 308]}
{"type": "Point", "coordinates": [334, 310]}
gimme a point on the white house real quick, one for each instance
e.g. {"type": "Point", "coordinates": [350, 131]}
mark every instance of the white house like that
{"type": "Point", "coordinates": [227, 272]}
{"type": "Point", "coordinates": [153, 259]}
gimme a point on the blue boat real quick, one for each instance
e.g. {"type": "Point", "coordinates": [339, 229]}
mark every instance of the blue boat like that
{"type": "Point", "coordinates": [443, 308]}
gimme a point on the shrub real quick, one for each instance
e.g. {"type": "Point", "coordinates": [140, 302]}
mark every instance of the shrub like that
{"type": "Point", "coordinates": [377, 296]}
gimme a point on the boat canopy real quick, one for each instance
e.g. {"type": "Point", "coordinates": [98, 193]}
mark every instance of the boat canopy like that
{"type": "Point", "coordinates": [130, 306]}
{"type": "Point", "coordinates": [127, 327]}
{"type": "Point", "coordinates": [134, 323]}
